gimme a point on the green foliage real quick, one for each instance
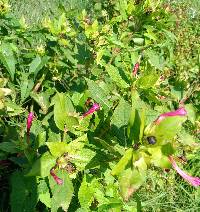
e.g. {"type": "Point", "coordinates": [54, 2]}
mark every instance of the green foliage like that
{"type": "Point", "coordinates": [24, 196]}
{"type": "Point", "coordinates": [76, 156]}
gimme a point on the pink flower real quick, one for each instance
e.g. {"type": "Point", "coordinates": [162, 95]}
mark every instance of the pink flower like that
{"type": "Point", "coordinates": [29, 122]}
{"type": "Point", "coordinates": [94, 108]}
{"type": "Point", "coordinates": [56, 178]}
{"type": "Point", "coordinates": [135, 68]}
{"type": "Point", "coordinates": [194, 181]}
{"type": "Point", "coordinates": [28, 125]}
{"type": "Point", "coordinates": [179, 112]}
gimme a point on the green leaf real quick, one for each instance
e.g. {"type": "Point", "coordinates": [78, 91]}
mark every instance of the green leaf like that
{"type": "Point", "coordinates": [8, 147]}
{"type": "Point", "coordinates": [98, 94]}
{"type": "Point", "coordinates": [120, 118]}
{"type": "Point", "coordinates": [13, 109]}
{"type": "Point", "coordinates": [121, 114]}
{"type": "Point", "coordinates": [42, 99]}
{"type": "Point", "coordinates": [142, 124]}
{"type": "Point", "coordinates": [121, 165]}
{"type": "Point", "coordinates": [82, 158]}
{"type": "Point", "coordinates": [138, 41]}
{"type": "Point", "coordinates": [158, 158]}
{"type": "Point", "coordinates": [116, 77]}
{"type": "Point", "coordinates": [7, 58]}
{"type": "Point", "coordinates": [24, 196]}
{"type": "Point", "coordinates": [37, 64]}
{"type": "Point", "coordinates": [186, 139]}
{"type": "Point", "coordinates": [86, 193]}
{"type": "Point", "coordinates": [155, 59]}
{"type": "Point", "coordinates": [191, 112]}
{"type": "Point", "coordinates": [43, 191]}
{"type": "Point", "coordinates": [62, 109]}
{"type": "Point", "coordinates": [114, 205]}
{"type": "Point", "coordinates": [140, 164]}
{"type": "Point", "coordinates": [129, 181]}
{"type": "Point", "coordinates": [61, 194]}
{"type": "Point", "coordinates": [91, 30]}
{"type": "Point", "coordinates": [42, 166]}
{"type": "Point", "coordinates": [167, 149]}
{"type": "Point", "coordinates": [26, 86]}
{"type": "Point", "coordinates": [136, 100]}
{"type": "Point", "coordinates": [135, 126]}
{"type": "Point", "coordinates": [69, 55]}
{"type": "Point", "coordinates": [57, 148]}
{"type": "Point", "coordinates": [147, 81]}
{"type": "Point", "coordinates": [107, 146]}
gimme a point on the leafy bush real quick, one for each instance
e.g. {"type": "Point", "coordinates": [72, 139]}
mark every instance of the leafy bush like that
{"type": "Point", "coordinates": [84, 105]}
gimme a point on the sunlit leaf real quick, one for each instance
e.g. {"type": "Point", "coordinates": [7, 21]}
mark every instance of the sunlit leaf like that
{"type": "Point", "coordinates": [61, 194]}
{"type": "Point", "coordinates": [7, 58]}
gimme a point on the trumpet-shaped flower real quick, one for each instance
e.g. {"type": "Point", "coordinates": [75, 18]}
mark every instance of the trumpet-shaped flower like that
{"type": "Point", "coordinates": [135, 68]}
{"type": "Point", "coordinates": [56, 178]}
{"type": "Point", "coordinates": [179, 112]}
{"type": "Point", "coordinates": [29, 122]}
{"type": "Point", "coordinates": [194, 181]}
{"type": "Point", "coordinates": [94, 108]}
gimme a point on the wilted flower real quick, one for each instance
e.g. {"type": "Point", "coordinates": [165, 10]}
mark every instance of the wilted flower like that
{"type": "Point", "coordinates": [56, 178]}
{"type": "Point", "coordinates": [29, 122]}
{"type": "Point", "coordinates": [94, 108]}
{"type": "Point", "coordinates": [194, 181]}
{"type": "Point", "coordinates": [179, 112]}
{"type": "Point", "coordinates": [135, 68]}
{"type": "Point", "coordinates": [4, 163]}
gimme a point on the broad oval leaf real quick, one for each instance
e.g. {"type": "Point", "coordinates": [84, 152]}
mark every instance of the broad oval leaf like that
{"type": "Point", "coordinates": [57, 148]}
{"type": "Point", "coordinates": [37, 64]}
{"type": "Point", "coordinates": [121, 165]}
{"type": "Point", "coordinates": [61, 194]}
{"type": "Point", "coordinates": [129, 181]}
{"type": "Point", "coordinates": [98, 94]}
{"type": "Point", "coordinates": [62, 108]}
{"type": "Point", "coordinates": [116, 77]}
{"type": "Point", "coordinates": [42, 166]}
{"type": "Point", "coordinates": [7, 58]}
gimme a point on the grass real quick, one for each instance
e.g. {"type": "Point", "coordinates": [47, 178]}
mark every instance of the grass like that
{"type": "Point", "coordinates": [35, 10]}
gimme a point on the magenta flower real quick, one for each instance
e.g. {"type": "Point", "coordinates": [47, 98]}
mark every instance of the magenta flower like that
{"type": "Point", "coordinates": [94, 108]}
{"type": "Point", "coordinates": [28, 125]}
{"type": "Point", "coordinates": [179, 112]}
{"type": "Point", "coordinates": [135, 68]}
{"type": "Point", "coordinates": [194, 181]}
{"type": "Point", "coordinates": [29, 122]}
{"type": "Point", "coordinates": [56, 178]}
